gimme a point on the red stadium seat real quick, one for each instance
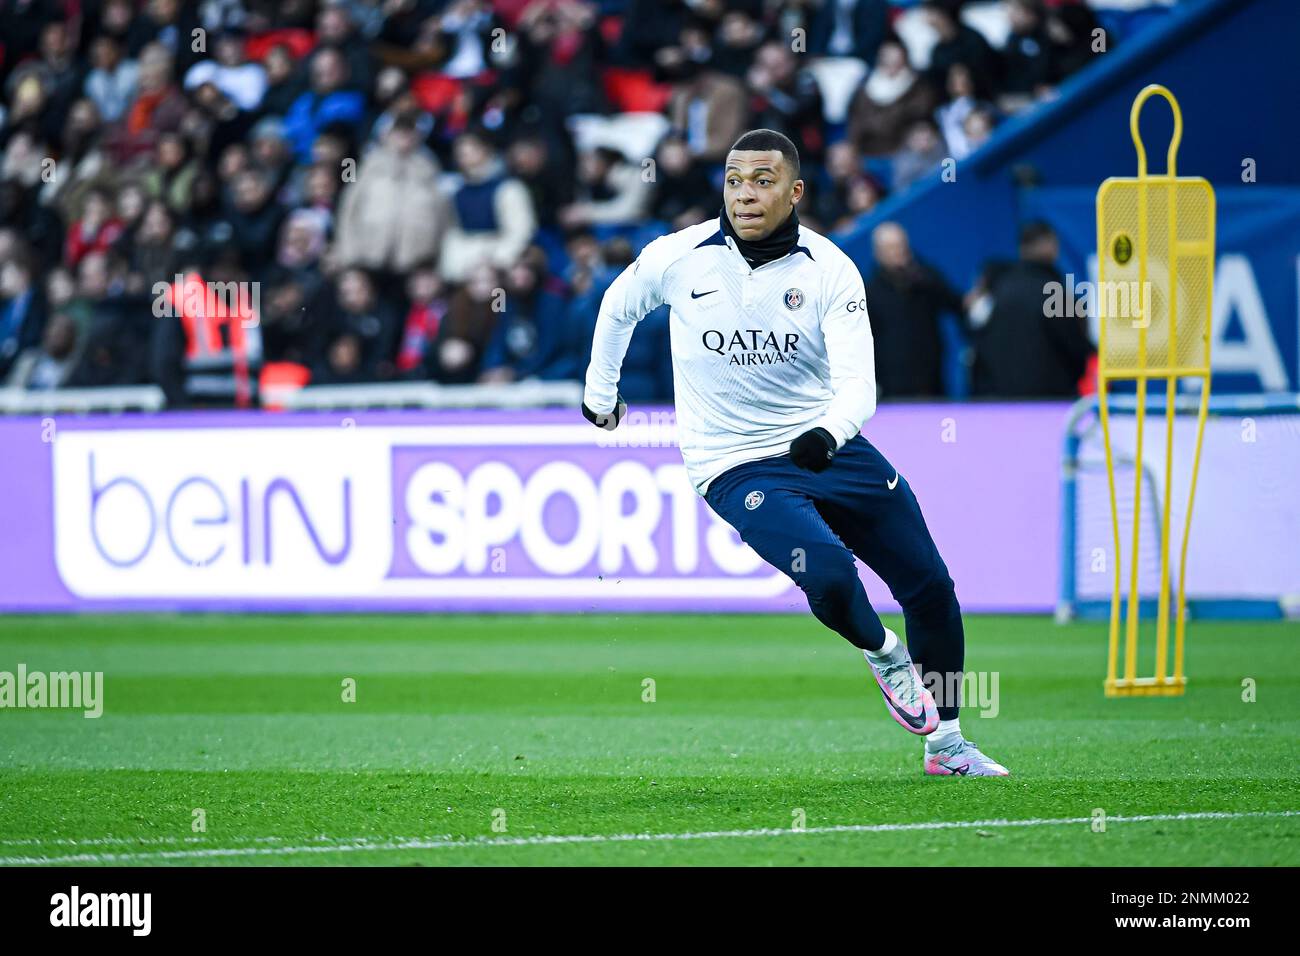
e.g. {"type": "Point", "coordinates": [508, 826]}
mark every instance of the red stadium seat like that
{"type": "Point", "coordinates": [278, 379]}
{"type": "Point", "coordinates": [635, 91]}
{"type": "Point", "coordinates": [434, 91]}
{"type": "Point", "coordinates": [300, 42]}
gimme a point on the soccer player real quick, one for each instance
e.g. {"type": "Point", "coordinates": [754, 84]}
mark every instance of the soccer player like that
{"type": "Point", "coordinates": [774, 372]}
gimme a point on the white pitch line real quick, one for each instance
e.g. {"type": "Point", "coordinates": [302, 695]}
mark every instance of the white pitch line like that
{"type": "Point", "coordinates": [369, 844]}
{"type": "Point", "coordinates": [158, 840]}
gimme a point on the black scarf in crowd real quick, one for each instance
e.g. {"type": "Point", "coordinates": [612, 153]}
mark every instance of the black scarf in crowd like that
{"type": "Point", "coordinates": [780, 242]}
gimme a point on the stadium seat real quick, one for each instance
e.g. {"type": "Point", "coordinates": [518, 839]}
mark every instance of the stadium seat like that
{"type": "Point", "coordinates": [299, 43]}
{"type": "Point", "coordinates": [635, 91]}
{"type": "Point", "coordinates": [280, 379]}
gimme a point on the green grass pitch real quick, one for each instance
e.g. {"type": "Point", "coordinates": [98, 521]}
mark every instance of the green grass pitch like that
{"type": "Point", "coordinates": [474, 740]}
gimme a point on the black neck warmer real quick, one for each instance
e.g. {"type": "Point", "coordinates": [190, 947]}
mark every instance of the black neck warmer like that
{"type": "Point", "coordinates": [780, 242]}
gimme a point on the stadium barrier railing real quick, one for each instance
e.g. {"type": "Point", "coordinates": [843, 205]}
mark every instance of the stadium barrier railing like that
{"type": "Point", "coordinates": [526, 394]}
{"type": "Point", "coordinates": [82, 401]}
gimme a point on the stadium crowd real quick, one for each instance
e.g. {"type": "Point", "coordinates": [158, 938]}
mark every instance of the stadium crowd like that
{"type": "Point", "coordinates": [387, 190]}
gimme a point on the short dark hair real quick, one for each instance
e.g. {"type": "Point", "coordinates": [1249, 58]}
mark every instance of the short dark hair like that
{"type": "Point", "coordinates": [764, 139]}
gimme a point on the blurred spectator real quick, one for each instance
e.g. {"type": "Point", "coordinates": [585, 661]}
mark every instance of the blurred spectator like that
{"type": "Point", "coordinates": [787, 99]}
{"type": "Point", "coordinates": [465, 26]}
{"type": "Point", "coordinates": [906, 298]}
{"type": "Point", "coordinates": [738, 39]}
{"type": "Point", "coordinates": [335, 28]}
{"type": "Point", "coordinates": [420, 332]}
{"type": "Point", "coordinates": [393, 216]}
{"type": "Point", "coordinates": [493, 219]}
{"type": "Point", "coordinates": [344, 363]}
{"type": "Point", "coordinates": [471, 318]}
{"type": "Point", "coordinates": [59, 74]}
{"type": "Point", "coordinates": [650, 26]}
{"type": "Point", "coordinates": [683, 194]}
{"type": "Point", "coordinates": [173, 174]}
{"type": "Point", "coordinates": [360, 333]}
{"type": "Point", "coordinates": [526, 338]}
{"type": "Point", "coordinates": [610, 191]}
{"type": "Point", "coordinates": [849, 28]}
{"type": "Point", "coordinates": [390, 99]}
{"type": "Point", "coordinates": [115, 330]}
{"type": "Point", "coordinates": [1027, 58]}
{"type": "Point", "coordinates": [131, 201]}
{"type": "Point", "coordinates": [83, 163]}
{"type": "Point", "coordinates": [646, 376]}
{"type": "Point", "coordinates": [707, 106]}
{"type": "Point", "coordinates": [95, 230]}
{"type": "Point", "coordinates": [112, 81]}
{"type": "Point", "coordinates": [230, 72]}
{"type": "Point", "coordinates": [49, 365]}
{"type": "Point", "coordinates": [893, 97]}
{"type": "Point", "coordinates": [61, 296]}
{"type": "Point", "coordinates": [24, 158]}
{"type": "Point", "coordinates": [1021, 351]}
{"type": "Point", "coordinates": [293, 297]}
{"type": "Point", "coordinates": [150, 250]}
{"type": "Point", "coordinates": [216, 122]}
{"type": "Point", "coordinates": [168, 23]}
{"type": "Point", "coordinates": [548, 179]}
{"type": "Point", "coordinates": [958, 43]}
{"type": "Point", "coordinates": [331, 100]}
{"type": "Point", "coordinates": [38, 224]}
{"type": "Point", "coordinates": [1073, 30]}
{"type": "Point", "coordinates": [977, 128]}
{"type": "Point", "coordinates": [320, 191]}
{"type": "Point", "coordinates": [270, 151]}
{"type": "Point", "coordinates": [951, 116]}
{"type": "Point", "coordinates": [159, 106]}
{"type": "Point", "coordinates": [559, 60]}
{"type": "Point", "coordinates": [846, 192]}
{"type": "Point", "coordinates": [923, 150]}
{"type": "Point", "coordinates": [21, 309]}
{"type": "Point", "coordinates": [254, 219]}
{"type": "Point", "coordinates": [284, 83]}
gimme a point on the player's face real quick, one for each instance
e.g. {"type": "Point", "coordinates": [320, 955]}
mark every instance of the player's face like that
{"type": "Point", "coordinates": [759, 191]}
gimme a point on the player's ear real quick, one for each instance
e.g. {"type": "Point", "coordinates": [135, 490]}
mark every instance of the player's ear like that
{"type": "Point", "coordinates": [796, 192]}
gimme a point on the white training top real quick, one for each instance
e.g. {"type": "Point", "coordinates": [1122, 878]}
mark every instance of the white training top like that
{"type": "Point", "coordinates": [760, 355]}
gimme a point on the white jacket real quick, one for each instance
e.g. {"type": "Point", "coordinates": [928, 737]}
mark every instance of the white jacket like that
{"type": "Point", "coordinates": [760, 355]}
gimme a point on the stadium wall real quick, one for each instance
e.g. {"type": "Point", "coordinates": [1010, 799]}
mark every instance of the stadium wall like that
{"type": "Point", "coordinates": [470, 511]}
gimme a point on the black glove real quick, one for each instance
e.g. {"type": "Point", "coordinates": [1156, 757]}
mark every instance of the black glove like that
{"type": "Point", "coordinates": [813, 450]}
{"type": "Point", "coordinates": [606, 420]}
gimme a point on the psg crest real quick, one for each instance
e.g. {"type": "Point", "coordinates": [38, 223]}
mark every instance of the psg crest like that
{"type": "Point", "coordinates": [793, 299]}
{"type": "Point", "coordinates": [753, 500]}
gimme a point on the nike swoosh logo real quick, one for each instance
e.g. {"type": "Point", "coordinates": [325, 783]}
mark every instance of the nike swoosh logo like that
{"type": "Point", "coordinates": [700, 295]}
{"type": "Point", "coordinates": [961, 771]}
{"type": "Point", "coordinates": [893, 484]}
{"type": "Point", "coordinates": [912, 720]}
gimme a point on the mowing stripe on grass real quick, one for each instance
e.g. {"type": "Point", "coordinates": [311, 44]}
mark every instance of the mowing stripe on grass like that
{"type": "Point", "coordinates": [369, 844]}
